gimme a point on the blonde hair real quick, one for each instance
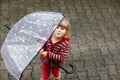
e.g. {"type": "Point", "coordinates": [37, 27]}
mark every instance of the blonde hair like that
{"type": "Point", "coordinates": [65, 24]}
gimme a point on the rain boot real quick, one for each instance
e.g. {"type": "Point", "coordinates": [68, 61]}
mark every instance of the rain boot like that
{"type": "Point", "coordinates": [56, 78]}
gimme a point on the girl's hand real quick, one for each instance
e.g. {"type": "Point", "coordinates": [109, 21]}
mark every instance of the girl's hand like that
{"type": "Point", "coordinates": [43, 53]}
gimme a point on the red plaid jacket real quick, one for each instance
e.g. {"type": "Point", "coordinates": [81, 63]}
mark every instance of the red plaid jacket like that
{"type": "Point", "coordinates": [56, 53]}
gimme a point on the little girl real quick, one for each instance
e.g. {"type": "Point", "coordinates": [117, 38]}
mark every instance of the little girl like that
{"type": "Point", "coordinates": [55, 51]}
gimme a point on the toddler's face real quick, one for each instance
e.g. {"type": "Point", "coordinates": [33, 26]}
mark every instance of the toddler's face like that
{"type": "Point", "coordinates": [59, 32]}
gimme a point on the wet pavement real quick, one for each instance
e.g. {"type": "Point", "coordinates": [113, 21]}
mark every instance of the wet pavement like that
{"type": "Point", "coordinates": [95, 36]}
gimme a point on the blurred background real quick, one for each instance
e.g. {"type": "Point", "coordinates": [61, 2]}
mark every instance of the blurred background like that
{"type": "Point", "coordinates": [95, 36]}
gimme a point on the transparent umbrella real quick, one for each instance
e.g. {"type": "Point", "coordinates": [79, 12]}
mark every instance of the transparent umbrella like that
{"type": "Point", "coordinates": [26, 38]}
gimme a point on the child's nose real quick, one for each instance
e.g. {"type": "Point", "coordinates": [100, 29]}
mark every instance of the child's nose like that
{"type": "Point", "coordinates": [59, 29]}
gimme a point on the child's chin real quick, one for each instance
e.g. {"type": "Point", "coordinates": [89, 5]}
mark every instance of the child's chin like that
{"type": "Point", "coordinates": [58, 36]}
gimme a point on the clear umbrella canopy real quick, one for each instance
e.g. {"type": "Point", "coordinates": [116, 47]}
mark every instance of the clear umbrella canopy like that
{"type": "Point", "coordinates": [26, 38]}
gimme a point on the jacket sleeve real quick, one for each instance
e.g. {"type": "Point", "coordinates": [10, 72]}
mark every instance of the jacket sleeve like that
{"type": "Point", "coordinates": [59, 57]}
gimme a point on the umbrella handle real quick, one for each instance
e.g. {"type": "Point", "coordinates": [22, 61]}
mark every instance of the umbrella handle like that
{"type": "Point", "coordinates": [69, 72]}
{"type": "Point", "coordinates": [7, 26]}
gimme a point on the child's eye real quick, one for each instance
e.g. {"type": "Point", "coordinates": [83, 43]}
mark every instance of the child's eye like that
{"type": "Point", "coordinates": [62, 28]}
